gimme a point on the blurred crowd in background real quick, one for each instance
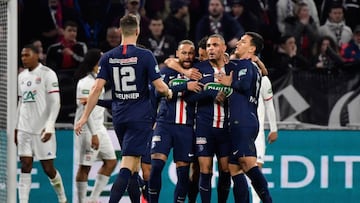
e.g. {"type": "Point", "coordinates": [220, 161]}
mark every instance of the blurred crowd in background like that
{"type": "Point", "coordinates": [298, 34]}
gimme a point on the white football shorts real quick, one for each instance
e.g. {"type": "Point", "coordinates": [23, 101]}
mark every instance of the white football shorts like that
{"type": "Point", "coordinates": [86, 155]}
{"type": "Point", "coordinates": [30, 145]}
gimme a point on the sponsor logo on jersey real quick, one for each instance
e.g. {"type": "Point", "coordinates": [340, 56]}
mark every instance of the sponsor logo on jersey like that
{"type": "Point", "coordinates": [28, 83]}
{"type": "Point", "coordinates": [29, 96]}
{"type": "Point", "coordinates": [207, 75]}
{"type": "Point", "coordinates": [127, 61]}
{"type": "Point", "coordinates": [177, 81]}
{"type": "Point", "coordinates": [85, 91]}
{"type": "Point", "coordinates": [219, 87]}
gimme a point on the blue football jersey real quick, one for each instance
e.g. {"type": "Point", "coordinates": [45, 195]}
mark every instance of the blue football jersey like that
{"type": "Point", "coordinates": [130, 70]}
{"type": "Point", "coordinates": [246, 87]}
{"type": "Point", "coordinates": [177, 110]}
{"type": "Point", "coordinates": [210, 112]}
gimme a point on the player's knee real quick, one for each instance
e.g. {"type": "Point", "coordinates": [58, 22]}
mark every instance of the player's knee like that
{"type": "Point", "coordinates": [160, 156]}
{"type": "Point", "coordinates": [205, 167]}
{"type": "Point", "coordinates": [50, 171]}
{"type": "Point", "coordinates": [26, 167]}
{"type": "Point", "coordinates": [157, 165]}
{"type": "Point", "coordinates": [110, 165]}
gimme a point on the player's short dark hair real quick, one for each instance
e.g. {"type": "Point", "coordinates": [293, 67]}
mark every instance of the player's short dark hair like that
{"type": "Point", "coordinates": [32, 48]}
{"type": "Point", "coordinates": [217, 36]}
{"type": "Point", "coordinates": [70, 23]}
{"type": "Point", "coordinates": [202, 42]}
{"type": "Point", "coordinates": [256, 40]}
{"type": "Point", "coordinates": [128, 24]}
{"type": "Point", "coordinates": [186, 41]}
{"type": "Point", "coordinates": [91, 58]}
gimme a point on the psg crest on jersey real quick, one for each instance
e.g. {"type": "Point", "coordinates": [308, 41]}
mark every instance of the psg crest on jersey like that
{"type": "Point", "coordinates": [217, 86]}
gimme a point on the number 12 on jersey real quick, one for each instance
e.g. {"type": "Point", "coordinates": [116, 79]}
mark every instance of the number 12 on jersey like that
{"type": "Point", "coordinates": [124, 79]}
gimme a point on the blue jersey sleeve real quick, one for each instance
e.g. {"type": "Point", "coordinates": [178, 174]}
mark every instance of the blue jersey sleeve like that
{"type": "Point", "coordinates": [154, 71]}
{"type": "Point", "coordinates": [104, 68]}
{"type": "Point", "coordinates": [106, 103]}
{"type": "Point", "coordinates": [242, 76]}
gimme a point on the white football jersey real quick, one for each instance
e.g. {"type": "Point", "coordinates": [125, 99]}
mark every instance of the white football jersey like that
{"type": "Point", "coordinates": [33, 88]}
{"type": "Point", "coordinates": [266, 94]}
{"type": "Point", "coordinates": [82, 91]}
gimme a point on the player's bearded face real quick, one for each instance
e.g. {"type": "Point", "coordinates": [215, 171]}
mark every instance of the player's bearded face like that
{"type": "Point", "coordinates": [186, 63]}
{"type": "Point", "coordinates": [186, 55]}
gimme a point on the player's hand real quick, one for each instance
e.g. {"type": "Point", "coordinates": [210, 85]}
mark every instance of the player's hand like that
{"type": "Point", "coordinates": [15, 136]}
{"type": "Point", "coordinates": [95, 142]}
{"type": "Point", "coordinates": [83, 101]}
{"type": "Point", "coordinates": [272, 137]}
{"type": "Point", "coordinates": [78, 126]}
{"type": "Point", "coordinates": [225, 79]}
{"type": "Point", "coordinates": [220, 97]}
{"type": "Point", "coordinates": [169, 94]}
{"type": "Point", "coordinates": [192, 73]}
{"type": "Point", "coordinates": [45, 136]}
{"type": "Point", "coordinates": [194, 86]}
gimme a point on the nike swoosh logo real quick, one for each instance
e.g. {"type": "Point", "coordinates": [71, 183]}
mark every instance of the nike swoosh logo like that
{"type": "Point", "coordinates": [235, 152]}
{"type": "Point", "coordinates": [207, 75]}
{"type": "Point", "coordinates": [190, 155]}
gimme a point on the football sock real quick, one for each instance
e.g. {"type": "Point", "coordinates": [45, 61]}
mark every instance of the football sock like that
{"type": "Point", "coordinates": [120, 185]}
{"type": "Point", "coordinates": [193, 190]}
{"type": "Point", "coordinates": [205, 187]}
{"type": "Point", "coordinates": [260, 184]}
{"type": "Point", "coordinates": [146, 190]}
{"type": "Point", "coordinates": [157, 166]}
{"type": "Point", "coordinates": [223, 186]}
{"type": "Point", "coordinates": [58, 187]}
{"type": "Point", "coordinates": [100, 183]}
{"type": "Point", "coordinates": [240, 189]}
{"type": "Point", "coordinates": [182, 184]}
{"type": "Point", "coordinates": [134, 188]}
{"type": "Point", "coordinates": [24, 187]}
{"type": "Point", "coordinates": [81, 188]}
